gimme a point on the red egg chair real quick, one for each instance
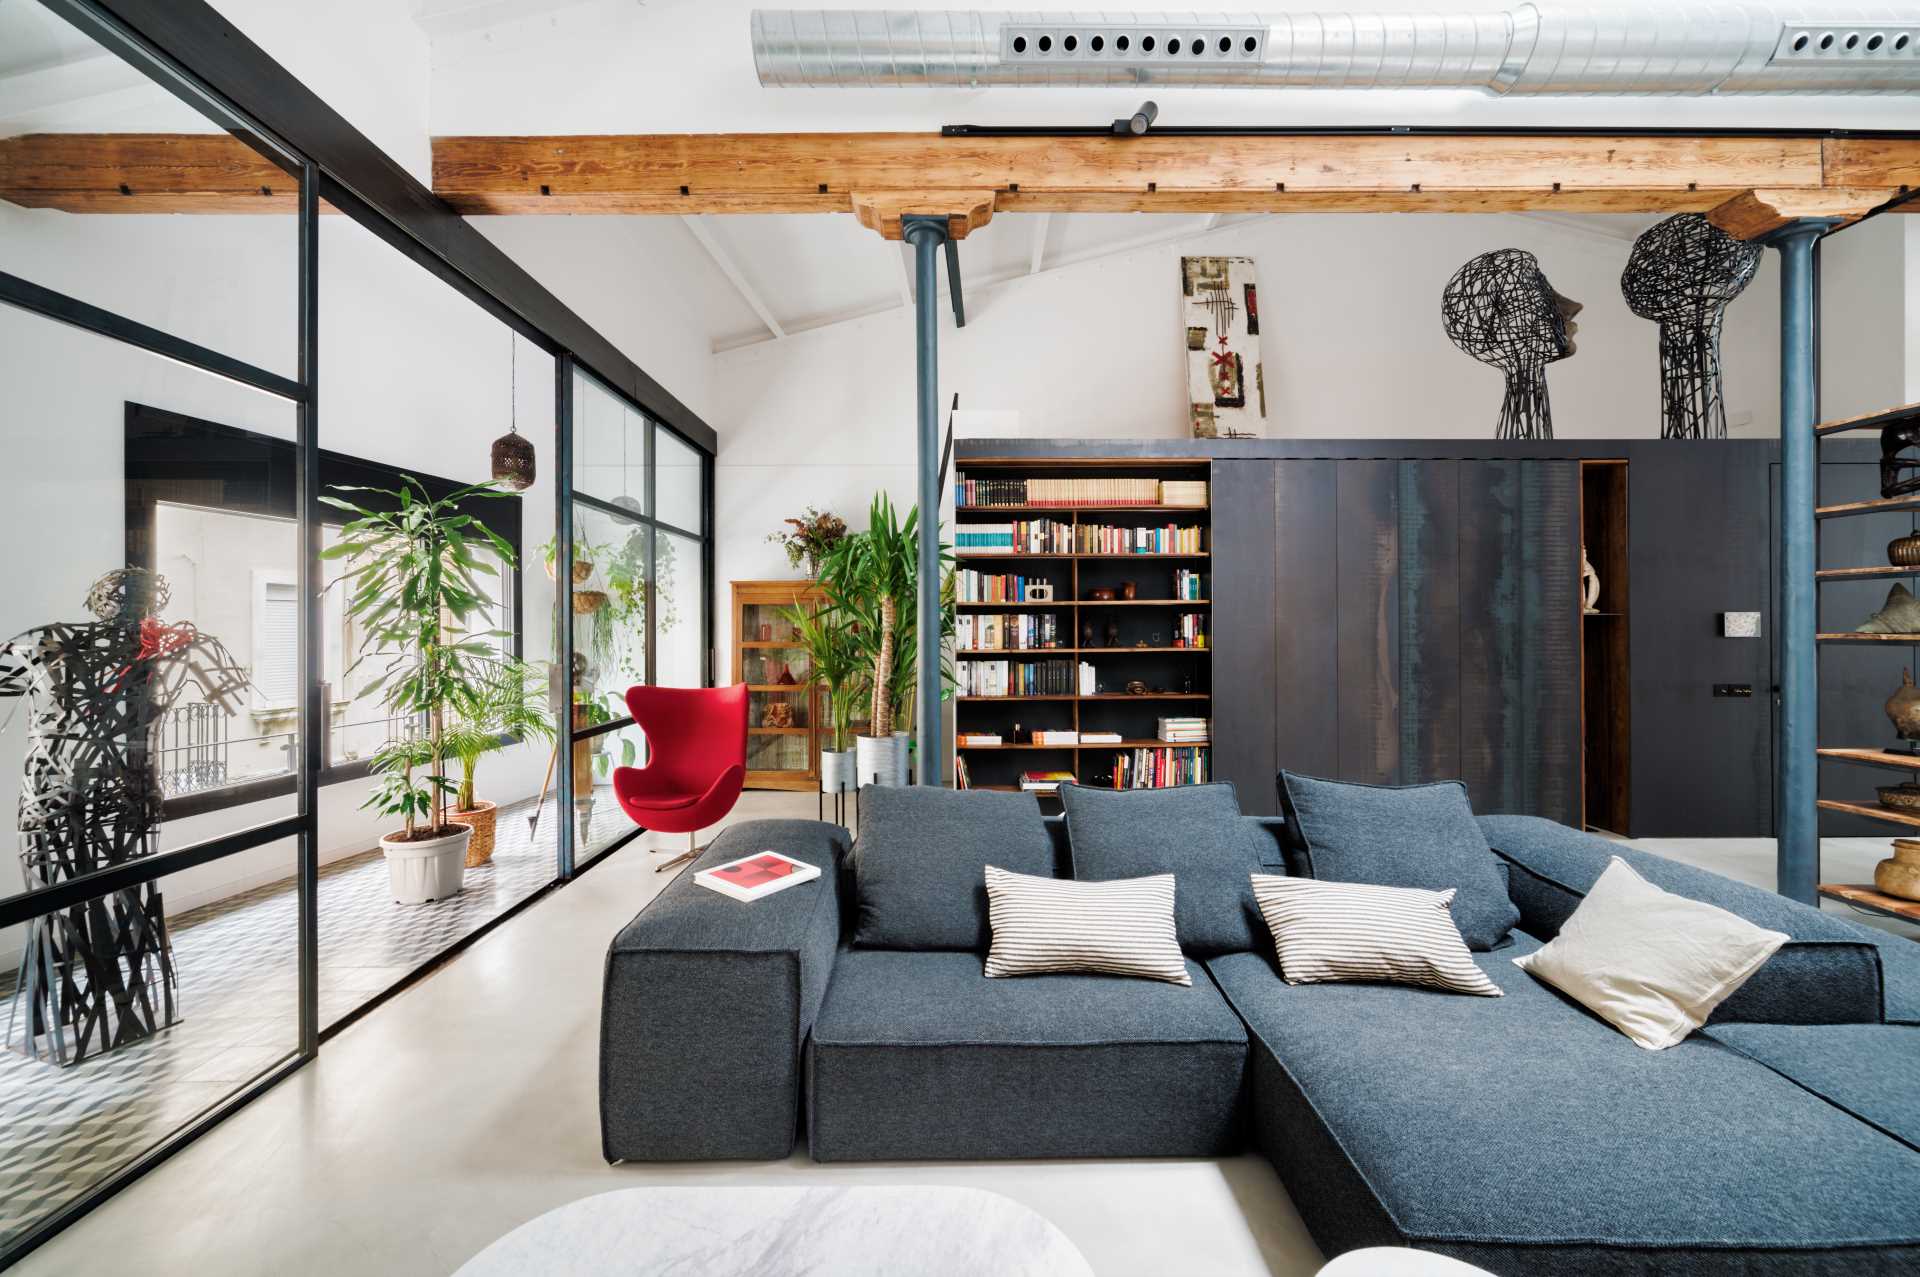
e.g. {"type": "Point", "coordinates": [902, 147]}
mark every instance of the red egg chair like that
{"type": "Point", "coordinates": [696, 760]}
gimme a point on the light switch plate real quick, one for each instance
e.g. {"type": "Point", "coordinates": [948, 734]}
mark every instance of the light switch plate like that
{"type": "Point", "coordinates": [1739, 625]}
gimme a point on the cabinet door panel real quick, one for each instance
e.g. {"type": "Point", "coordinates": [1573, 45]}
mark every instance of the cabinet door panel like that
{"type": "Point", "coordinates": [1245, 668]}
{"type": "Point", "coordinates": [1306, 708]}
{"type": "Point", "coordinates": [1367, 523]}
{"type": "Point", "coordinates": [1428, 590]}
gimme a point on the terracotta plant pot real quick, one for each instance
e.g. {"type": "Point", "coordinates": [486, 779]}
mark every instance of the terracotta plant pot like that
{"type": "Point", "coordinates": [429, 869]}
{"type": "Point", "coordinates": [481, 821]}
{"type": "Point", "coordinates": [587, 602]}
{"type": "Point", "coordinates": [582, 569]}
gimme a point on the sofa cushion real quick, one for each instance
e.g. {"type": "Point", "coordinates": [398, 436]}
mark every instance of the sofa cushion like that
{"type": "Point", "coordinates": [919, 867]}
{"type": "Point", "coordinates": [1047, 925]}
{"type": "Point", "coordinates": [1828, 972]}
{"type": "Point", "coordinates": [1524, 1135]}
{"type": "Point", "coordinates": [1867, 1069]}
{"type": "Point", "coordinates": [1324, 931]}
{"type": "Point", "coordinates": [1421, 836]}
{"type": "Point", "coordinates": [918, 1055]}
{"type": "Point", "coordinates": [1196, 833]}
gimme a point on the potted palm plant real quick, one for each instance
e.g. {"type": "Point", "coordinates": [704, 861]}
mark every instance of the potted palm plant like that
{"type": "Point", "coordinates": [413, 586]}
{"type": "Point", "coordinates": [504, 711]}
{"type": "Point", "coordinates": [870, 580]}
{"type": "Point", "coordinates": [836, 660]}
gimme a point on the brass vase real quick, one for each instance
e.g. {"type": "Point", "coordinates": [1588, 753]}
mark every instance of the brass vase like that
{"type": "Point", "coordinates": [1904, 552]}
{"type": "Point", "coordinates": [1900, 875]}
{"type": "Point", "coordinates": [1903, 708]}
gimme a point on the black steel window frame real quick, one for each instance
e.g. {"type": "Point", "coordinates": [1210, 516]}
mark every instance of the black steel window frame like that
{"type": "Point", "coordinates": [189, 50]}
{"type": "Point", "coordinates": [262, 469]}
{"type": "Point", "coordinates": [568, 499]}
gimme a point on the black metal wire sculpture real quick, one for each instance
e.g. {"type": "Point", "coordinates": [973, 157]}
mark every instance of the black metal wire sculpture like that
{"type": "Point", "coordinates": [1682, 274]}
{"type": "Point", "coordinates": [99, 974]}
{"type": "Point", "coordinates": [1500, 309]}
{"type": "Point", "coordinates": [1900, 459]}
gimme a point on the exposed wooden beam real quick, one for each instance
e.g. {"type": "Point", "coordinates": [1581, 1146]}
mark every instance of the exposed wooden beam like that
{"type": "Point", "coordinates": [965, 211]}
{"type": "Point", "coordinates": [1042, 222]}
{"type": "Point", "coordinates": [1755, 213]}
{"type": "Point", "coordinates": [724, 260]}
{"type": "Point", "coordinates": [142, 173]}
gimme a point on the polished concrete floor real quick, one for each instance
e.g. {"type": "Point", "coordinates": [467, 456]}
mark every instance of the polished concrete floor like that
{"type": "Point", "coordinates": [467, 1105]}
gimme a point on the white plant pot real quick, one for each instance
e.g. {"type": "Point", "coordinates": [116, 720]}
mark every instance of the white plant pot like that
{"type": "Point", "coordinates": [432, 869]}
{"type": "Point", "coordinates": [904, 743]}
{"type": "Point", "coordinates": [879, 760]}
{"type": "Point", "coordinates": [837, 771]}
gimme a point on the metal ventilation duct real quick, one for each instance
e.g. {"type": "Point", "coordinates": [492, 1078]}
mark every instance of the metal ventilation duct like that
{"type": "Point", "coordinates": [1676, 47]}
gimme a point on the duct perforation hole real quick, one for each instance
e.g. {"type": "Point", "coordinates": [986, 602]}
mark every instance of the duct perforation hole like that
{"type": "Point", "coordinates": [1046, 44]}
{"type": "Point", "coordinates": [1198, 47]}
{"type": "Point", "coordinates": [1146, 44]}
{"type": "Point", "coordinates": [1098, 43]}
{"type": "Point", "coordinates": [1122, 43]}
{"type": "Point", "coordinates": [1249, 44]}
{"type": "Point", "coordinates": [1173, 46]}
{"type": "Point", "coordinates": [1874, 42]}
{"type": "Point", "coordinates": [1020, 43]}
{"type": "Point", "coordinates": [1826, 42]}
{"type": "Point", "coordinates": [1070, 43]}
{"type": "Point", "coordinates": [1800, 42]}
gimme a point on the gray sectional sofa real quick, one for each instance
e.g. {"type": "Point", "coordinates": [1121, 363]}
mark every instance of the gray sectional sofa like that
{"type": "Point", "coordinates": [1521, 1134]}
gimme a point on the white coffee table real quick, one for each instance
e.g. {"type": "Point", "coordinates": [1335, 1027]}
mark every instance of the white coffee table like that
{"type": "Point", "coordinates": [927, 1231]}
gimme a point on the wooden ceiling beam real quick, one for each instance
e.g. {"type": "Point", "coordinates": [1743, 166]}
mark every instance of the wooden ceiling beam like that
{"type": "Point", "coordinates": [1752, 214]}
{"type": "Point", "coordinates": [143, 173]}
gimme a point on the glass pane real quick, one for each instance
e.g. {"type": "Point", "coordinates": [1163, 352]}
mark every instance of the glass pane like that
{"type": "Point", "coordinates": [676, 482]}
{"type": "Point", "coordinates": [679, 591]}
{"type": "Point", "coordinates": [92, 146]}
{"type": "Point", "coordinates": [612, 575]}
{"type": "Point", "coordinates": [214, 979]}
{"type": "Point", "coordinates": [609, 446]}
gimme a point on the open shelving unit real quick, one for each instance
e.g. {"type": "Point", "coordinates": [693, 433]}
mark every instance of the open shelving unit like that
{"type": "Point", "coordinates": [1605, 675]}
{"type": "Point", "coordinates": [1124, 639]}
{"type": "Point", "coordinates": [1859, 895]}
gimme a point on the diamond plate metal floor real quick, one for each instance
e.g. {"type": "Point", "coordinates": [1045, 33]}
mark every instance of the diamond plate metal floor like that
{"type": "Point", "coordinates": [63, 1130]}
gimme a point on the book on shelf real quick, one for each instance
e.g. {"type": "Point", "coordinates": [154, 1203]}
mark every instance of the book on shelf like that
{"type": "Point", "coordinates": [1187, 492]}
{"type": "Point", "coordinates": [1190, 629]}
{"type": "Point", "coordinates": [1101, 738]}
{"type": "Point", "coordinates": [1027, 536]}
{"type": "Point", "coordinates": [1089, 681]}
{"type": "Point", "coordinates": [971, 586]}
{"type": "Point", "coordinates": [1044, 782]}
{"type": "Point", "coordinates": [1188, 585]}
{"type": "Point", "coordinates": [1160, 767]}
{"type": "Point", "coordinates": [971, 740]}
{"type": "Point", "coordinates": [975, 677]}
{"type": "Point", "coordinates": [1106, 538]}
{"type": "Point", "coordinates": [1050, 737]}
{"type": "Point", "coordinates": [1191, 730]}
{"type": "Point", "coordinates": [1101, 490]}
{"type": "Point", "coordinates": [961, 778]}
{"type": "Point", "coordinates": [757, 876]}
{"type": "Point", "coordinates": [995, 632]}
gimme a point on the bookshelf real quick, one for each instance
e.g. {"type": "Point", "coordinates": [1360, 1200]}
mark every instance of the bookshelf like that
{"type": "Point", "coordinates": [1090, 555]}
{"type": "Point", "coordinates": [784, 713]}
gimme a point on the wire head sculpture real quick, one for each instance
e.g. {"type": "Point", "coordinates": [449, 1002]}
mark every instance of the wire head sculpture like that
{"type": "Point", "coordinates": [128, 594]}
{"type": "Point", "coordinates": [1500, 309]}
{"type": "Point", "coordinates": [1900, 459]}
{"type": "Point", "coordinates": [1682, 274]}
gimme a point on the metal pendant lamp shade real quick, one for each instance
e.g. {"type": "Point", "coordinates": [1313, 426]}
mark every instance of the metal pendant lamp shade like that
{"type": "Point", "coordinates": [512, 454]}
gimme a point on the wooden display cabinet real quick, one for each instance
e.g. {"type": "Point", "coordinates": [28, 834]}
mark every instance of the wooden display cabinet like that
{"type": "Point", "coordinates": [785, 713]}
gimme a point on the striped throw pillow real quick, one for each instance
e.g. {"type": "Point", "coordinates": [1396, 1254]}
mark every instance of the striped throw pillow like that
{"type": "Point", "coordinates": [1356, 931]}
{"type": "Point", "coordinates": [1120, 927]}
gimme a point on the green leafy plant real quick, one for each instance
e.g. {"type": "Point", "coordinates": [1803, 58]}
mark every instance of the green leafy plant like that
{"type": "Point", "coordinates": [595, 711]}
{"type": "Point", "coordinates": [505, 708]}
{"type": "Point", "coordinates": [871, 581]}
{"type": "Point", "coordinates": [837, 661]}
{"type": "Point", "coordinates": [809, 538]}
{"type": "Point", "coordinates": [413, 586]}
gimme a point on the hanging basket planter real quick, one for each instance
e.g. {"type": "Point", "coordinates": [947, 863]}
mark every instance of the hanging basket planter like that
{"type": "Point", "coordinates": [587, 602]}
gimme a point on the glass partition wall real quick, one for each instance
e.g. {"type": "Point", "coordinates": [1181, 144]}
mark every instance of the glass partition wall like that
{"type": "Point", "coordinates": [640, 590]}
{"type": "Point", "coordinates": [188, 730]}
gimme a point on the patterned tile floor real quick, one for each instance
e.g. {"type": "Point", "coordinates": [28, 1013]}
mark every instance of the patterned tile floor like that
{"type": "Point", "coordinates": [62, 1130]}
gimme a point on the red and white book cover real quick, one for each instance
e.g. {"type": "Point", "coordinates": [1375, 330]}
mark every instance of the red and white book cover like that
{"type": "Point", "coordinates": [753, 877]}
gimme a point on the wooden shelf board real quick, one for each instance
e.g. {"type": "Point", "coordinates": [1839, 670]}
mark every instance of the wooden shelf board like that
{"type": "Point", "coordinates": [1873, 758]}
{"type": "Point", "coordinates": [1097, 745]}
{"type": "Point", "coordinates": [998, 652]}
{"type": "Point", "coordinates": [1872, 811]}
{"type": "Point", "coordinates": [778, 731]}
{"type": "Point", "coordinates": [1082, 509]}
{"type": "Point", "coordinates": [1879, 505]}
{"type": "Point", "coordinates": [1864, 574]}
{"type": "Point", "coordinates": [1848, 636]}
{"type": "Point", "coordinates": [1869, 420]}
{"type": "Point", "coordinates": [1864, 897]}
{"type": "Point", "coordinates": [1094, 603]}
{"type": "Point", "coordinates": [1607, 616]}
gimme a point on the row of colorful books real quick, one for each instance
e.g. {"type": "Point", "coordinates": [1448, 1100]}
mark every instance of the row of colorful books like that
{"type": "Point", "coordinates": [970, 586]}
{"type": "Point", "coordinates": [1160, 768]}
{"type": "Point", "coordinates": [1102, 490]}
{"type": "Point", "coordinates": [1190, 629]}
{"type": "Point", "coordinates": [1023, 678]}
{"type": "Point", "coordinates": [1188, 730]}
{"type": "Point", "coordinates": [1101, 538]}
{"type": "Point", "coordinates": [1012, 632]}
{"type": "Point", "coordinates": [1022, 536]}
{"type": "Point", "coordinates": [1188, 584]}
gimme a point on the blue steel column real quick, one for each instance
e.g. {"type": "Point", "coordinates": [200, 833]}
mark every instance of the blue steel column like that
{"type": "Point", "coordinates": [927, 235]}
{"type": "Point", "coordinates": [1798, 823]}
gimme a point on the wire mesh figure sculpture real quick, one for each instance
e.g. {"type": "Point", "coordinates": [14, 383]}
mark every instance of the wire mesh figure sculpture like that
{"type": "Point", "coordinates": [99, 974]}
{"type": "Point", "coordinates": [1500, 309]}
{"type": "Point", "coordinates": [1681, 274]}
{"type": "Point", "coordinates": [1900, 459]}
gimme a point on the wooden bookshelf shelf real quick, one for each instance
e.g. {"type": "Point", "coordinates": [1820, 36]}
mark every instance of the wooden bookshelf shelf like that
{"type": "Point", "coordinates": [1864, 574]}
{"type": "Point", "coordinates": [1873, 758]}
{"type": "Point", "coordinates": [1879, 505]}
{"type": "Point", "coordinates": [1848, 636]}
{"type": "Point", "coordinates": [1107, 633]}
{"type": "Point", "coordinates": [1862, 896]}
{"type": "Point", "coordinates": [1870, 420]}
{"type": "Point", "coordinates": [1872, 811]}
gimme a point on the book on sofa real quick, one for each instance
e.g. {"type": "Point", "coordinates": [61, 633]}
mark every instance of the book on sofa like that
{"type": "Point", "coordinates": [757, 876]}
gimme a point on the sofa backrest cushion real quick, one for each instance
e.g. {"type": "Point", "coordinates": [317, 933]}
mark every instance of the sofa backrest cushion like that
{"type": "Point", "coordinates": [919, 867]}
{"type": "Point", "coordinates": [1421, 836]}
{"type": "Point", "coordinates": [1194, 832]}
{"type": "Point", "coordinates": [1826, 973]}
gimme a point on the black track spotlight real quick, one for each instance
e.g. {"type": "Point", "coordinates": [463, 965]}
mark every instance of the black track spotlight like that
{"type": "Point", "coordinates": [1139, 122]}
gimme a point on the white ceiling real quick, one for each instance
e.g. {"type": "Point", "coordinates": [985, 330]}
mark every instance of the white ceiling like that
{"type": "Point", "coordinates": [663, 66]}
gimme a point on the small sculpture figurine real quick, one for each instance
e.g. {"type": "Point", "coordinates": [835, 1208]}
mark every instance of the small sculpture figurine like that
{"type": "Point", "coordinates": [1899, 466]}
{"type": "Point", "coordinates": [1903, 710]}
{"type": "Point", "coordinates": [1899, 615]}
{"type": "Point", "coordinates": [1589, 584]}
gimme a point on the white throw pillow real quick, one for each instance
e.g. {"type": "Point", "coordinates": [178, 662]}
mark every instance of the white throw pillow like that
{"type": "Point", "coordinates": [1652, 964]}
{"type": "Point", "coordinates": [1356, 931]}
{"type": "Point", "coordinates": [1119, 927]}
